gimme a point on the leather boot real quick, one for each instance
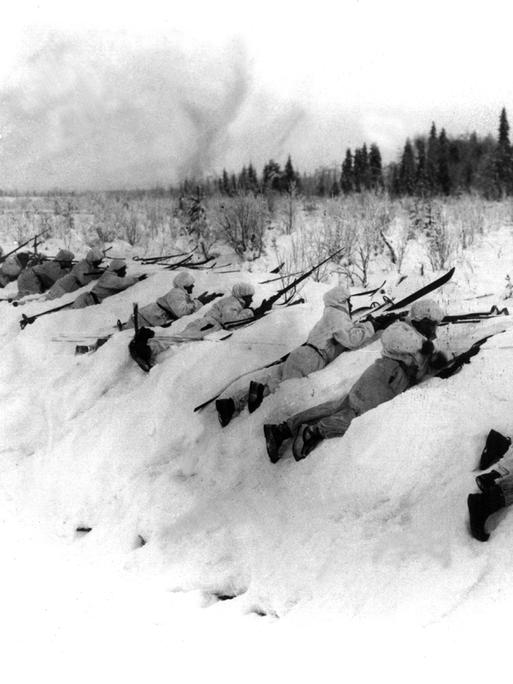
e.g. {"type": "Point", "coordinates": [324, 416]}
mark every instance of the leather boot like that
{"type": "Point", "coordinates": [256, 395]}
{"type": "Point", "coordinates": [225, 409]}
{"type": "Point", "coordinates": [480, 507]}
{"type": "Point", "coordinates": [275, 435]}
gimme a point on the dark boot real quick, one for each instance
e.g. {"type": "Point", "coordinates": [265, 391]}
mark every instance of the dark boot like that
{"type": "Point", "coordinates": [480, 507]}
{"type": "Point", "coordinates": [256, 395]}
{"type": "Point", "coordinates": [82, 349]}
{"type": "Point", "coordinates": [275, 435]}
{"type": "Point", "coordinates": [484, 482]}
{"type": "Point", "coordinates": [307, 438]}
{"type": "Point", "coordinates": [495, 448]}
{"type": "Point", "coordinates": [101, 341]}
{"type": "Point", "coordinates": [140, 350]}
{"type": "Point", "coordinates": [225, 409]}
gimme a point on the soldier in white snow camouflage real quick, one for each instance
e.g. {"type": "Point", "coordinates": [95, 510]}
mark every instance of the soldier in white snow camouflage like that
{"type": "Point", "coordinates": [407, 357]}
{"type": "Point", "coordinates": [40, 278]}
{"type": "Point", "coordinates": [235, 307]}
{"type": "Point", "coordinates": [114, 280]}
{"type": "Point", "coordinates": [333, 334]}
{"type": "Point", "coordinates": [173, 305]}
{"type": "Point", "coordinates": [84, 272]}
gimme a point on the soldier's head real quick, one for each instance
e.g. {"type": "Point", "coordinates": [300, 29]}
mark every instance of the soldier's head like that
{"type": "Point", "coordinates": [425, 315]}
{"type": "Point", "coordinates": [94, 257]}
{"type": "Point", "coordinates": [185, 281]}
{"type": "Point", "coordinates": [402, 343]}
{"type": "Point", "coordinates": [64, 258]}
{"type": "Point", "coordinates": [118, 266]}
{"type": "Point", "coordinates": [338, 296]}
{"type": "Point", "coordinates": [244, 293]}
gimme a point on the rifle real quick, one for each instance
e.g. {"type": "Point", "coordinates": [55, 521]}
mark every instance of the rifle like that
{"type": "Point", "coordinates": [28, 320]}
{"type": "Point", "coordinates": [476, 316]}
{"type": "Point", "coordinates": [98, 273]}
{"type": "Point", "coordinates": [151, 260]}
{"type": "Point", "coordinates": [198, 264]}
{"type": "Point", "coordinates": [171, 267]}
{"type": "Point", "coordinates": [274, 298]}
{"type": "Point", "coordinates": [281, 277]}
{"type": "Point", "coordinates": [13, 251]}
{"type": "Point", "coordinates": [458, 361]}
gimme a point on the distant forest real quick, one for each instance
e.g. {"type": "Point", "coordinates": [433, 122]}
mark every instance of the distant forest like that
{"type": "Point", "coordinates": [430, 165]}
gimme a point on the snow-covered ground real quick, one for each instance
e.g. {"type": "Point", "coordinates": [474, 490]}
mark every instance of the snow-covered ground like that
{"type": "Point", "coordinates": [356, 561]}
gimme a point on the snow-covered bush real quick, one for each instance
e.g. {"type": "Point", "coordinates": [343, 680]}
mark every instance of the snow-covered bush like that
{"type": "Point", "coordinates": [241, 221]}
{"type": "Point", "coordinates": [439, 238]}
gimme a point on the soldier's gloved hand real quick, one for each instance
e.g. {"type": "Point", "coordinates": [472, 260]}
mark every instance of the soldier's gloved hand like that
{"type": "Point", "coordinates": [264, 307]}
{"type": "Point", "coordinates": [143, 276]}
{"type": "Point", "coordinates": [206, 297]}
{"type": "Point", "coordinates": [438, 360]}
{"type": "Point", "coordinates": [144, 334]}
{"type": "Point", "coordinates": [382, 322]}
{"type": "Point", "coordinates": [427, 348]}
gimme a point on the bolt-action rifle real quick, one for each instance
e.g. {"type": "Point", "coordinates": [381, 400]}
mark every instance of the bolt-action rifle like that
{"type": "Point", "coordinates": [13, 251]}
{"type": "Point", "coordinates": [267, 304]}
{"type": "Point", "coordinates": [461, 359]}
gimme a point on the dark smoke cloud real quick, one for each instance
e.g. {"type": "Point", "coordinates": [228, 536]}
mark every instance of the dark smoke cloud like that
{"type": "Point", "coordinates": [88, 113]}
{"type": "Point", "coordinates": [101, 112]}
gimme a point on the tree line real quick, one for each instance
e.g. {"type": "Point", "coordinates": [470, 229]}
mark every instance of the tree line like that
{"type": "Point", "coordinates": [434, 164]}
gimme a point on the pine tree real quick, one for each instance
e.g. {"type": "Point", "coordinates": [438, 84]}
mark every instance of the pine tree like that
{"type": "Point", "coordinates": [290, 178]}
{"type": "Point", "coordinates": [407, 171]}
{"type": "Point", "coordinates": [421, 178]}
{"type": "Point", "coordinates": [375, 168]}
{"type": "Point", "coordinates": [358, 170]}
{"type": "Point", "coordinates": [252, 178]}
{"type": "Point", "coordinates": [272, 176]}
{"type": "Point", "coordinates": [243, 180]}
{"type": "Point", "coordinates": [225, 183]}
{"type": "Point", "coordinates": [432, 161]}
{"type": "Point", "coordinates": [503, 157]}
{"type": "Point", "coordinates": [347, 175]}
{"type": "Point", "coordinates": [366, 179]}
{"type": "Point", "coordinates": [443, 177]}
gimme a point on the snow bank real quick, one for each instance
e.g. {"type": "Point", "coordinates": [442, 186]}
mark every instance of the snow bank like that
{"type": "Point", "coordinates": [371, 528]}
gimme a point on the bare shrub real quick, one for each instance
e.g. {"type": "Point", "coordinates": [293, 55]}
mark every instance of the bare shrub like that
{"type": "Point", "coordinates": [289, 208]}
{"type": "Point", "coordinates": [467, 216]}
{"type": "Point", "coordinates": [242, 220]}
{"type": "Point", "coordinates": [439, 241]}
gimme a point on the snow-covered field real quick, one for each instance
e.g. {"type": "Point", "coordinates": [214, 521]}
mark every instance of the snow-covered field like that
{"type": "Point", "coordinates": [355, 562]}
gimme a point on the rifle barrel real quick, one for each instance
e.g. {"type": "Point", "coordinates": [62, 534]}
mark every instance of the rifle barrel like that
{"type": "Point", "coordinates": [13, 251]}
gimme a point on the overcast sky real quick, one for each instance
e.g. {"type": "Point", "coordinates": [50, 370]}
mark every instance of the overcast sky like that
{"type": "Point", "coordinates": [120, 94]}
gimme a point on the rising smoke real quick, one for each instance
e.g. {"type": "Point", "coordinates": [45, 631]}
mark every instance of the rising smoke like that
{"type": "Point", "coordinates": [84, 112]}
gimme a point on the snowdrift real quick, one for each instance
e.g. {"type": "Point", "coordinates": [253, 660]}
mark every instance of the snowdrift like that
{"type": "Point", "coordinates": [372, 526]}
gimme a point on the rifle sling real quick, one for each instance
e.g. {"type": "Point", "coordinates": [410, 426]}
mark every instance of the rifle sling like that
{"type": "Point", "coordinates": [312, 346]}
{"type": "Point", "coordinates": [168, 313]}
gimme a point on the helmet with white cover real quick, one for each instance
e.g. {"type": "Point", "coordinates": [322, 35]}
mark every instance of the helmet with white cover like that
{"type": "Point", "coordinates": [183, 279]}
{"type": "Point", "coordinates": [337, 296]}
{"type": "Point", "coordinates": [426, 308]}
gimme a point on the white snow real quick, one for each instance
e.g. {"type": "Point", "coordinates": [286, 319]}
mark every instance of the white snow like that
{"type": "Point", "coordinates": [354, 561]}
